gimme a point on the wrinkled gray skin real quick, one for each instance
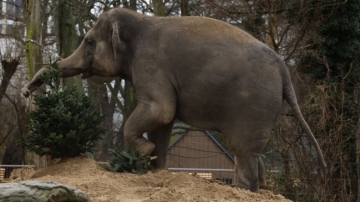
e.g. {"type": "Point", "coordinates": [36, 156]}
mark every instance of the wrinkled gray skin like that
{"type": "Point", "coordinates": [201, 71]}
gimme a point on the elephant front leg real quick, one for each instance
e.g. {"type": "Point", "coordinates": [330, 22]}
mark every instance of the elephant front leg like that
{"type": "Point", "coordinates": [134, 137]}
{"type": "Point", "coordinates": [161, 138]}
{"type": "Point", "coordinates": [147, 117]}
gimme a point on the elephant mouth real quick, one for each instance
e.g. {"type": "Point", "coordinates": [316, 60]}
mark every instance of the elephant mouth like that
{"type": "Point", "coordinates": [86, 75]}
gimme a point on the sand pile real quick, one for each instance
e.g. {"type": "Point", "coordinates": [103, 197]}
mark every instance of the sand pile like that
{"type": "Point", "coordinates": [158, 186]}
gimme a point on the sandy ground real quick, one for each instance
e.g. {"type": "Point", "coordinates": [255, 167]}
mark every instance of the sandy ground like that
{"type": "Point", "coordinates": [157, 186]}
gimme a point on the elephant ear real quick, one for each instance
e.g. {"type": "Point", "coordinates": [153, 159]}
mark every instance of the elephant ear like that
{"type": "Point", "coordinates": [115, 38]}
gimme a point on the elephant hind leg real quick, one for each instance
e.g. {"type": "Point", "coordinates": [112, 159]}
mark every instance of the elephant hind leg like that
{"type": "Point", "coordinates": [246, 171]}
{"type": "Point", "coordinates": [249, 168]}
{"type": "Point", "coordinates": [261, 173]}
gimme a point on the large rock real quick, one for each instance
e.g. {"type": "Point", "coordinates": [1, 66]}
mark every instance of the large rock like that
{"type": "Point", "coordinates": [39, 191]}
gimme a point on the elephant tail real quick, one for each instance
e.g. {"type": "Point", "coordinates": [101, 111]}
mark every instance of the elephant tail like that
{"type": "Point", "coordinates": [290, 97]}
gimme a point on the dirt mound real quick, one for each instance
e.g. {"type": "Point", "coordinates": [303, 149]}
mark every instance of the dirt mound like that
{"type": "Point", "coordinates": [157, 186]}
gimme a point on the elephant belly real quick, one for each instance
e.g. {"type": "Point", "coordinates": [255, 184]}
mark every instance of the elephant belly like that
{"type": "Point", "coordinates": [222, 110]}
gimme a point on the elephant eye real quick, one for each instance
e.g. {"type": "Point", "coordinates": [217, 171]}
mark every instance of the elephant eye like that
{"type": "Point", "coordinates": [90, 43]}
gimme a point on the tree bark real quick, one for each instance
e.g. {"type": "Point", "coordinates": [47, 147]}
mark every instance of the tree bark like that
{"type": "Point", "coordinates": [159, 9]}
{"type": "Point", "coordinates": [271, 35]}
{"type": "Point", "coordinates": [357, 133]}
{"type": "Point", "coordinates": [33, 49]}
{"type": "Point", "coordinates": [129, 100]}
{"type": "Point", "coordinates": [9, 70]}
{"type": "Point", "coordinates": [67, 38]}
{"type": "Point", "coordinates": [14, 154]}
{"type": "Point", "coordinates": [33, 52]}
{"type": "Point", "coordinates": [100, 97]}
{"type": "Point", "coordinates": [133, 5]}
{"type": "Point", "coordinates": [184, 4]}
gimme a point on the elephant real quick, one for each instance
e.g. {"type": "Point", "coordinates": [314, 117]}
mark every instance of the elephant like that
{"type": "Point", "coordinates": [201, 71]}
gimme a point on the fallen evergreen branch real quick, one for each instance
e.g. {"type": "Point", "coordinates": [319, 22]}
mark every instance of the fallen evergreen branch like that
{"type": "Point", "coordinates": [129, 161]}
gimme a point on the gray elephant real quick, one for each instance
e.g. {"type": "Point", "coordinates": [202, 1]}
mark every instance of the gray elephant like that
{"type": "Point", "coordinates": [202, 71]}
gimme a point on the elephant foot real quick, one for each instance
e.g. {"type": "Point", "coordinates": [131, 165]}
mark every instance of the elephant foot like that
{"type": "Point", "coordinates": [263, 186]}
{"type": "Point", "coordinates": [145, 148]}
{"type": "Point", "coordinates": [249, 184]}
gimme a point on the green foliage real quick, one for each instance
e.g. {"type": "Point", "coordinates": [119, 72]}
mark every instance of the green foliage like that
{"type": "Point", "coordinates": [332, 60]}
{"type": "Point", "coordinates": [129, 161]}
{"type": "Point", "coordinates": [66, 122]}
{"type": "Point", "coordinates": [337, 45]}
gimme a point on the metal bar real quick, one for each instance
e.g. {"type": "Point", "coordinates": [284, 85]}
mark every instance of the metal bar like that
{"type": "Point", "coordinates": [199, 169]}
{"type": "Point", "coordinates": [16, 166]}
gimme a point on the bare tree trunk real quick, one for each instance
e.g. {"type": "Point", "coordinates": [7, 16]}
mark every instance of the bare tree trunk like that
{"type": "Point", "coordinates": [100, 97]}
{"type": "Point", "coordinates": [44, 31]}
{"type": "Point", "coordinates": [33, 50]}
{"type": "Point", "coordinates": [107, 141]}
{"type": "Point", "coordinates": [184, 7]}
{"type": "Point", "coordinates": [159, 9]}
{"type": "Point", "coordinates": [14, 154]}
{"type": "Point", "coordinates": [129, 100]}
{"type": "Point", "coordinates": [272, 33]}
{"type": "Point", "coordinates": [9, 70]}
{"type": "Point", "coordinates": [33, 53]}
{"type": "Point", "coordinates": [67, 38]}
{"type": "Point", "coordinates": [133, 5]}
{"type": "Point", "coordinates": [357, 133]}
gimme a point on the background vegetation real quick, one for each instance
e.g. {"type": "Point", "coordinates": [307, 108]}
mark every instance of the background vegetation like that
{"type": "Point", "coordinates": [65, 124]}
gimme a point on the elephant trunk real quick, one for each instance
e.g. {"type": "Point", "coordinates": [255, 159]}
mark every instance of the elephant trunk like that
{"type": "Point", "coordinates": [34, 83]}
{"type": "Point", "coordinates": [70, 66]}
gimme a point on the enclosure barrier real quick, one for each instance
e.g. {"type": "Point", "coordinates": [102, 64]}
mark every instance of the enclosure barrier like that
{"type": "Point", "coordinates": [223, 175]}
{"type": "Point", "coordinates": [290, 161]}
{"type": "Point", "coordinates": [10, 168]}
